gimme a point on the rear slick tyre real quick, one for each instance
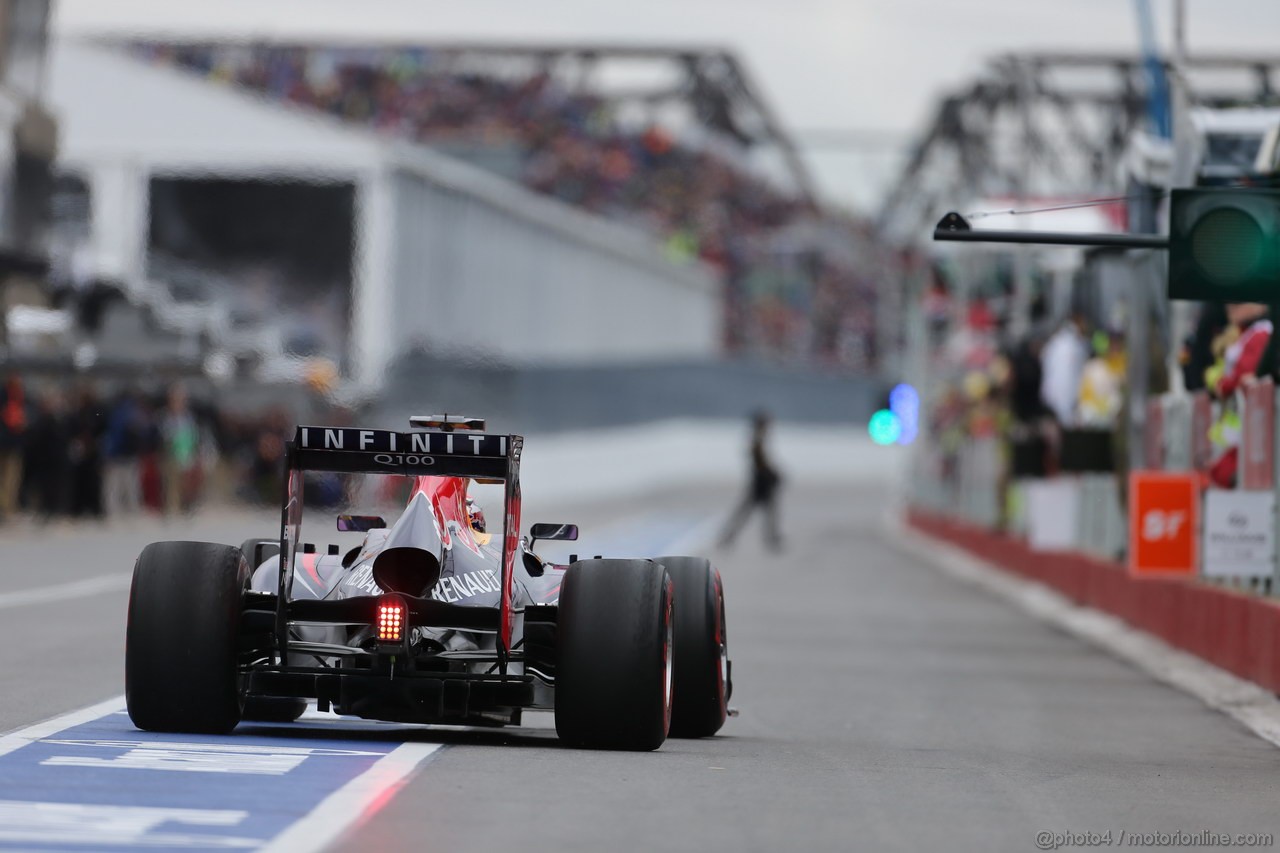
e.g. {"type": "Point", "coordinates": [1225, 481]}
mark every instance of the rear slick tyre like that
{"type": "Point", "coordinates": [614, 667]}
{"type": "Point", "coordinates": [700, 699]}
{"type": "Point", "coordinates": [181, 669]}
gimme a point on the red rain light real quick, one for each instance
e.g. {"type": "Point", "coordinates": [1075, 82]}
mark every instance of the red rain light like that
{"type": "Point", "coordinates": [391, 619]}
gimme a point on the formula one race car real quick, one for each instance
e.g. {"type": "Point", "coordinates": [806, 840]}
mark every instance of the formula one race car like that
{"type": "Point", "coordinates": [425, 621]}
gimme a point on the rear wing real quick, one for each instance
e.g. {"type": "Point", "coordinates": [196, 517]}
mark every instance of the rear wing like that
{"type": "Point", "coordinates": [437, 453]}
{"type": "Point", "coordinates": [378, 451]}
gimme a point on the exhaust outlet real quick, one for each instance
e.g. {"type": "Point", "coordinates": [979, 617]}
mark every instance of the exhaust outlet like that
{"type": "Point", "coordinates": [406, 570]}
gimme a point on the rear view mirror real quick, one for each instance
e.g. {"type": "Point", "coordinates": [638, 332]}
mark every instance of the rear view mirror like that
{"type": "Point", "coordinates": [359, 523]}
{"type": "Point", "coordinates": [555, 532]}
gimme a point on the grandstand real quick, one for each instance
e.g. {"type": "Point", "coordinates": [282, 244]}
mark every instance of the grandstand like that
{"type": "Point", "coordinates": [357, 247]}
{"type": "Point", "coordinates": [674, 142]}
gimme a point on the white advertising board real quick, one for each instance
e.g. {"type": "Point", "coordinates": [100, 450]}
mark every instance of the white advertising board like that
{"type": "Point", "coordinates": [1052, 507]}
{"type": "Point", "coordinates": [1239, 534]}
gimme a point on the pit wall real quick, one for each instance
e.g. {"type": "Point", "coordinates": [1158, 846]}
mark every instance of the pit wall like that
{"type": "Point", "coordinates": [1071, 532]}
{"type": "Point", "coordinates": [522, 397]}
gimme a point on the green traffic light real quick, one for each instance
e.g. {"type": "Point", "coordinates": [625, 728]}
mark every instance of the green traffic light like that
{"type": "Point", "coordinates": [1224, 245]}
{"type": "Point", "coordinates": [1227, 244]}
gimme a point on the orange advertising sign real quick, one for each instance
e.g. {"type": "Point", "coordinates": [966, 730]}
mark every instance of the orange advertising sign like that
{"type": "Point", "coordinates": [1164, 523]}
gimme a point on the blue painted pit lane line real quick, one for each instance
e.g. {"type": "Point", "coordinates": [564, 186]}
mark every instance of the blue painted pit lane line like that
{"type": "Point", "coordinates": [91, 781]}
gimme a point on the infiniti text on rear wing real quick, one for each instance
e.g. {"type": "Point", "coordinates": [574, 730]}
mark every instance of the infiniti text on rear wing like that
{"type": "Point", "coordinates": [378, 451]}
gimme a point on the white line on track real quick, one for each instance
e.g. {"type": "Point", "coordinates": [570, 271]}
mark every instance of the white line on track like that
{"type": "Point", "coordinates": [63, 591]}
{"type": "Point", "coordinates": [1254, 707]}
{"type": "Point", "coordinates": [353, 802]}
{"type": "Point", "coordinates": [30, 734]}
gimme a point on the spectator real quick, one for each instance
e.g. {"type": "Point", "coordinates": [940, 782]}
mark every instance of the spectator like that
{"type": "Point", "coordinates": [46, 464]}
{"type": "Point", "coordinates": [1197, 353]}
{"type": "Point", "coordinates": [1242, 358]}
{"type": "Point", "coordinates": [1030, 418]}
{"type": "Point", "coordinates": [122, 446]}
{"type": "Point", "coordinates": [1240, 362]}
{"type": "Point", "coordinates": [1062, 362]}
{"type": "Point", "coordinates": [268, 454]}
{"type": "Point", "coordinates": [179, 457]}
{"type": "Point", "coordinates": [151, 454]}
{"type": "Point", "coordinates": [762, 489]}
{"type": "Point", "coordinates": [84, 453]}
{"type": "Point", "coordinates": [1026, 377]}
{"type": "Point", "coordinates": [1102, 383]}
{"type": "Point", "coordinates": [13, 429]}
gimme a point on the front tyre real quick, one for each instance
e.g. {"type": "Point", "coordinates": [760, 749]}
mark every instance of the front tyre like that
{"type": "Point", "coordinates": [614, 670]}
{"type": "Point", "coordinates": [701, 695]}
{"type": "Point", "coordinates": [182, 642]}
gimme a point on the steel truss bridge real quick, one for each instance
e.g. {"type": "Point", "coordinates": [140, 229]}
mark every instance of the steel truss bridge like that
{"type": "Point", "coordinates": [1050, 125]}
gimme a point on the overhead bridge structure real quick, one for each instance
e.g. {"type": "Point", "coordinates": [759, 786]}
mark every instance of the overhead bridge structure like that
{"type": "Point", "coordinates": [1050, 125]}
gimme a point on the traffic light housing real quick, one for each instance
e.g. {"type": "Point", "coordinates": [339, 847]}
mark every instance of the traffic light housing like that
{"type": "Point", "coordinates": [1224, 245]}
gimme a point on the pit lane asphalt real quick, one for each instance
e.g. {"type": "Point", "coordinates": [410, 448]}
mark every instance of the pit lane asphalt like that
{"type": "Point", "coordinates": [885, 706]}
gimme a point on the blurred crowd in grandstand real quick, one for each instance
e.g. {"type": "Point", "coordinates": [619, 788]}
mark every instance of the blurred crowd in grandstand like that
{"type": "Point", "coordinates": [785, 296]}
{"type": "Point", "coordinates": [70, 450]}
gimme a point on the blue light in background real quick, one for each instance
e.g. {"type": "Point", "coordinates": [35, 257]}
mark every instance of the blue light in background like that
{"type": "Point", "coordinates": [904, 403]}
{"type": "Point", "coordinates": [903, 397]}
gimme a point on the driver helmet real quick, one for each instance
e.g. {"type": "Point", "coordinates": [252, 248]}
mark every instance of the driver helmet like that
{"type": "Point", "coordinates": [475, 516]}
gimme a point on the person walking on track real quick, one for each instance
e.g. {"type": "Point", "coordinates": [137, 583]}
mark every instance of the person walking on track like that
{"type": "Point", "coordinates": [762, 489]}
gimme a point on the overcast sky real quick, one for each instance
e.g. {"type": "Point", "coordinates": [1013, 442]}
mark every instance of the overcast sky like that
{"type": "Point", "coordinates": [824, 64]}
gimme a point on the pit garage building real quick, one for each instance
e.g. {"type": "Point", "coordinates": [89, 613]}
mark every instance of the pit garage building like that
{"type": "Point", "coordinates": [385, 246]}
